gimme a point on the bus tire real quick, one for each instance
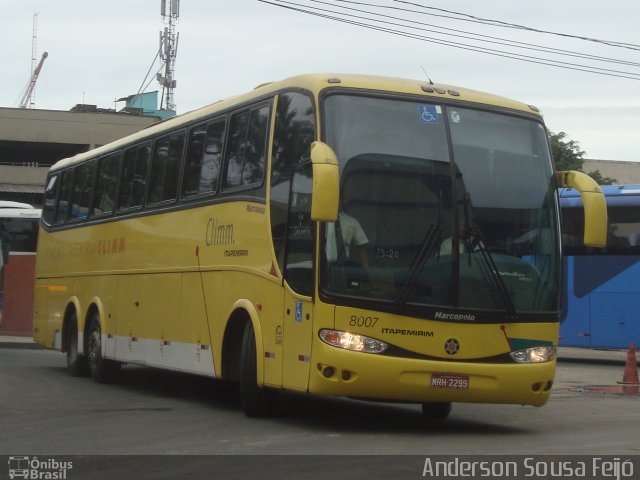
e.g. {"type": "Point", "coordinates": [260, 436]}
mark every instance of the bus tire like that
{"type": "Point", "coordinates": [102, 369]}
{"type": "Point", "coordinates": [76, 362]}
{"type": "Point", "coordinates": [436, 410]}
{"type": "Point", "coordinates": [255, 400]}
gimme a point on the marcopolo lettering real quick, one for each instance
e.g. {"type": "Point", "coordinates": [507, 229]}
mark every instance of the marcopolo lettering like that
{"type": "Point", "coordinates": [469, 317]}
{"type": "Point", "coordinates": [255, 209]}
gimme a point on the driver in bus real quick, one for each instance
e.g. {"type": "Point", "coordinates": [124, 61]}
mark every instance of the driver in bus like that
{"type": "Point", "coordinates": [466, 242]}
{"type": "Point", "coordinates": [351, 244]}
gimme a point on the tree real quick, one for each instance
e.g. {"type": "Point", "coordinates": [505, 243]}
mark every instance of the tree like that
{"type": "Point", "coordinates": [600, 180]}
{"type": "Point", "coordinates": [567, 155]}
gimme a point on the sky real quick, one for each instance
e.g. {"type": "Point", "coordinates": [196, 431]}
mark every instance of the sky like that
{"type": "Point", "coordinates": [100, 51]}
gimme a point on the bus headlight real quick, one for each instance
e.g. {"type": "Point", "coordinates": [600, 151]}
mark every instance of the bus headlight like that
{"type": "Point", "coordinates": [352, 341]}
{"type": "Point", "coordinates": [534, 355]}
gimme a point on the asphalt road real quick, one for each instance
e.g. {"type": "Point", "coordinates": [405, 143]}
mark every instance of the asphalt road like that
{"type": "Point", "coordinates": [44, 411]}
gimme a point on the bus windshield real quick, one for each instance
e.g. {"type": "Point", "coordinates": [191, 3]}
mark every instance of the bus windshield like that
{"type": "Point", "coordinates": [440, 206]}
{"type": "Point", "coordinates": [18, 227]}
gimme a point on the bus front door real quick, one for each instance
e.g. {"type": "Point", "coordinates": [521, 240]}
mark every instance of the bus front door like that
{"type": "Point", "coordinates": [298, 283]}
{"type": "Point", "coordinates": [297, 340]}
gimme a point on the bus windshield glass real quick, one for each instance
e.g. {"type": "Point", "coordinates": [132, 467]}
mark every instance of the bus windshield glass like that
{"type": "Point", "coordinates": [19, 233]}
{"type": "Point", "coordinates": [440, 206]}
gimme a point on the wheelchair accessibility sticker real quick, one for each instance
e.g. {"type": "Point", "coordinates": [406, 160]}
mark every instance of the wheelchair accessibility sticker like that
{"type": "Point", "coordinates": [429, 113]}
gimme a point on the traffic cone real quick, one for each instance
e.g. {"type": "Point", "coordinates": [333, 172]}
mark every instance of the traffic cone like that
{"type": "Point", "coordinates": [630, 376]}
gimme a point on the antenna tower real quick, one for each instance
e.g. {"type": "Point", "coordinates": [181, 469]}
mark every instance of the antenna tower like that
{"type": "Point", "coordinates": [169, 9]}
{"type": "Point", "coordinates": [27, 97]}
{"type": "Point", "coordinates": [34, 42]}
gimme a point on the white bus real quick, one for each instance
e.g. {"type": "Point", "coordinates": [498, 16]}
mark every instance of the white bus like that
{"type": "Point", "coordinates": [18, 236]}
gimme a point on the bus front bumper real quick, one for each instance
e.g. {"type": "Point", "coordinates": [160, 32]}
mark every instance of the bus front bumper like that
{"type": "Point", "coordinates": [339, 372]}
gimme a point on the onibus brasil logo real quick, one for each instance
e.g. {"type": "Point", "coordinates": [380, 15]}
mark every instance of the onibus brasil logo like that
{"type": "Point", "coordinates": [37, 469]}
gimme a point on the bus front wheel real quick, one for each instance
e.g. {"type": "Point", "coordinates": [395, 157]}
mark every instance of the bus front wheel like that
{"type": "Point", "coordinates": [256, 401]}
{"type": "Point", "coordinates": [76, 362]}
{"type": "Point", "coordinates": [102, 369]}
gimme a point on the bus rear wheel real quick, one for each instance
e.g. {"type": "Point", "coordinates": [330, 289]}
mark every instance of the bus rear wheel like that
{"type": "Point", "coordinates": [436, 410]}
{"type": "Point", "coordinates": [102, 369]}
{"type": "Point", "coordinates": [76, 362]}
{"type": "Point", "coordinates": [255, 401]}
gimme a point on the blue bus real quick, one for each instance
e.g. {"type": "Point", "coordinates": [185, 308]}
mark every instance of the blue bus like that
{"type": "Point", "coordinates": [601, 304]}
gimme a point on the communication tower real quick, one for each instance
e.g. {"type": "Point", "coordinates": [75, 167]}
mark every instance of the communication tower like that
{"type": "Point", "coordinates": [170, 10]}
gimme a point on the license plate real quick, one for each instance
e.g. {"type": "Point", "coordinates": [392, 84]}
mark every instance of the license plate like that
{"type": "Point", "coordinates": [447, 380]}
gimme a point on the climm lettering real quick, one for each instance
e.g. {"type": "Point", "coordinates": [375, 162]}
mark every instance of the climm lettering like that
{"type": "Point", "coordinates": [218, 233]}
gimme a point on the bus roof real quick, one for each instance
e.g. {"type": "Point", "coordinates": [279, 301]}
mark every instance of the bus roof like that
{"type": "Point", "coordinates": [314, 83]}
{"type": "Point", "coordinates": [20, 212]}
{"type": "Point", "coordinates": [7, 204]}
{"type": "Point", "coordinates": [616, 195]}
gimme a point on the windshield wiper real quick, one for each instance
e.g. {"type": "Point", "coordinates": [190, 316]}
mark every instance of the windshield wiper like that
{"type": "Point", "coordinates": [476, 233]}
{"type": "Point", "coordinates": [426, 249]}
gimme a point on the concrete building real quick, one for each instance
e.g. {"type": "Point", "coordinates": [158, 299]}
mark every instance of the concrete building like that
{"type": "Point", "coordinates": [624, 172]}
{"type": "Point", "coordinates": [32, 140]}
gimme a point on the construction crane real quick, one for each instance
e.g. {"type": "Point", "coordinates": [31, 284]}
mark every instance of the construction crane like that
{"type": "Point", "coordinates": [25, 100]}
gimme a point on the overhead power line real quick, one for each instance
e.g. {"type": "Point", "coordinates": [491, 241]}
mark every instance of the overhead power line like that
{"type": "Point", "coordinates": [470, 35]}
{"type": "Point", "coordinates": [411, 29]}
{"type": "Point", "coordinates": [499, 23]}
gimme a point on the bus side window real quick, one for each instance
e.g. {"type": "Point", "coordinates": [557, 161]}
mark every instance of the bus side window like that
{"type": "Point", "coordinates": [299, 251]}
{"type": "Point", "coordinates": [133, 183]}
{"type": "Point", "coordinates": [50, 196]}
{"type": "Point", "coordinates": [106, 185]}
{"type": "Point", "coordinates": [202, 167]}
{"type": "Point", "coordinates": [62, 209]}
{"type": "Point", "coordinates": [294, 131]}
{"type": "Point", "coordinates": [82, 187]}
{"type": "Point", "coordinates": [165, 168]}
{"type": "Point", "coordinates": [246, 153]}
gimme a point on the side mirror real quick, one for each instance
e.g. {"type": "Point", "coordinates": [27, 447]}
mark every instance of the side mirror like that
{"type": "Point", "coordinates": [595, 207]}
{"type": "Point", "coordinates": [325, 195]}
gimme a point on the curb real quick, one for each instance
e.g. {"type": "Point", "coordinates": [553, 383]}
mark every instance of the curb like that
{"type": "Point", "coordinates": [22, 345]}
{"type": "Point", "coordinates": [591, 355]}
{"type": "Point", "coordinates": [19, 341]}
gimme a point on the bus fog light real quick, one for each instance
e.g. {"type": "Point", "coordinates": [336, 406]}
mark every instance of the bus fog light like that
{"type": "Point", "coordinates": [352, 341]}
{"type": "Point", "coordinates": [328, 372]}
{"type": "Point", "coordinates": [534, 355]}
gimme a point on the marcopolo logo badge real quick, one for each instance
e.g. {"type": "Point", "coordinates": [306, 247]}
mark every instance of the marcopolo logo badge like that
{"type": "Point", "coordinates": [34, 468]}
{"type": "Point", "coordinates": [452, 346]}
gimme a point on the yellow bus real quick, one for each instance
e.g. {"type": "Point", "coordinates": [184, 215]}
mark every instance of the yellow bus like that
{"type": "Point", "coordinates": [349, 235]}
